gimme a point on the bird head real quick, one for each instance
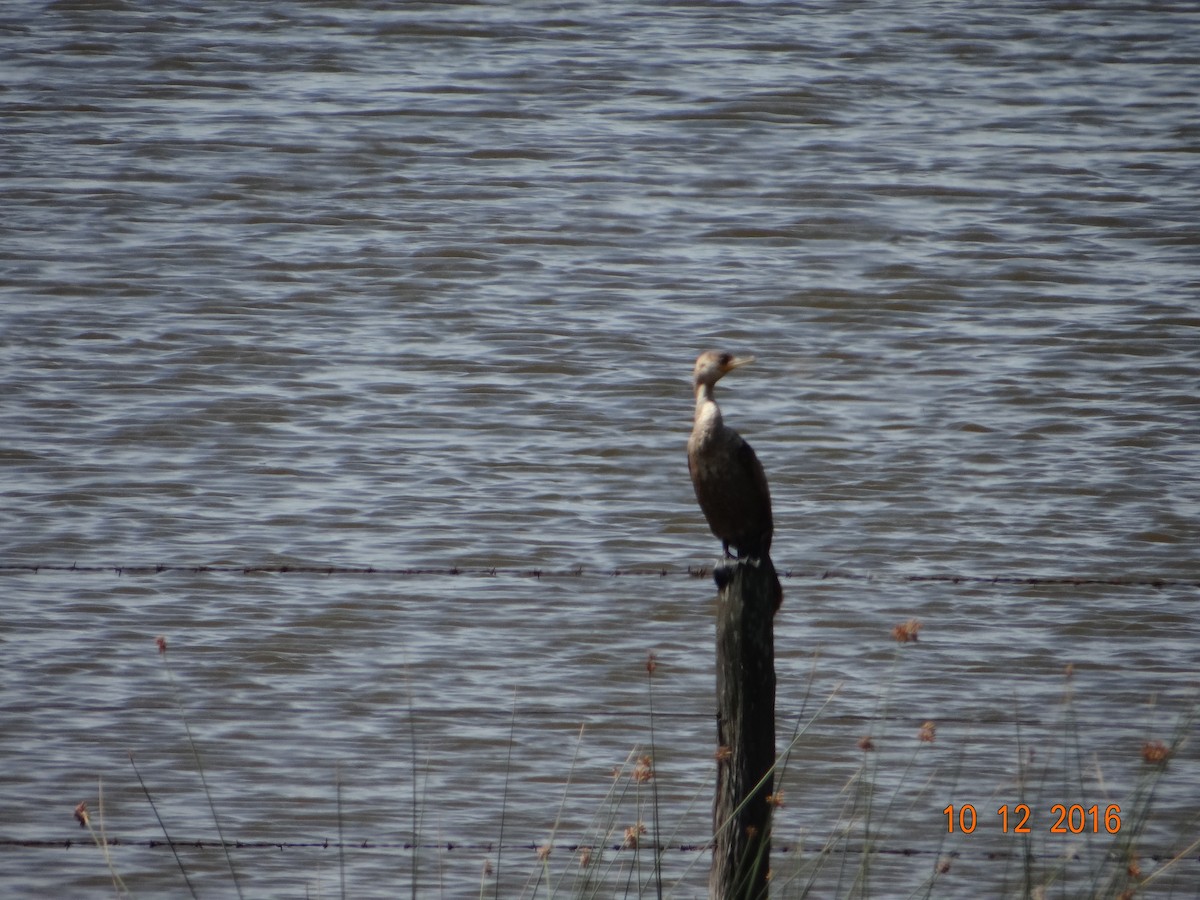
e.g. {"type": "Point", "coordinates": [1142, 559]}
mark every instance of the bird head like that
{"type": "Point", "coordinates": [711, 365]}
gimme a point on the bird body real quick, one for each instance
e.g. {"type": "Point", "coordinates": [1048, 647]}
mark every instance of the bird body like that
{"type": "Point", "coordinates": [729, 481]}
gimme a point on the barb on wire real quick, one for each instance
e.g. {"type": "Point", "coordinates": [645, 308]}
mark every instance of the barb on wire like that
{"type": "Point", "coordinates": [143, 569]}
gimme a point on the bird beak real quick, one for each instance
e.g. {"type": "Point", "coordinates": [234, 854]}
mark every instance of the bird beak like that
{"type": "Point", "coordinates": [738, 361]}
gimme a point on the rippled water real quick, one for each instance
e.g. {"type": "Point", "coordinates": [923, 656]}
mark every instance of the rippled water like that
{"type": "Point", "coordinates": [420, 285]}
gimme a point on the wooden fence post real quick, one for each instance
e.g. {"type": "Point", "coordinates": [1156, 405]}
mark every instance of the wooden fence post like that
{"type": "Point", "coordinates": [745, 731]}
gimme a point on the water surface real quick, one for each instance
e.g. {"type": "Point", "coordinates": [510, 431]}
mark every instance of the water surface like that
{"type": "Point", "coordinates": [420, 286]}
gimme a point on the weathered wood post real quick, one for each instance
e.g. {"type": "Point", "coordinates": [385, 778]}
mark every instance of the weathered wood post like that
{"type": "Point", "coordinates": [745, 731]}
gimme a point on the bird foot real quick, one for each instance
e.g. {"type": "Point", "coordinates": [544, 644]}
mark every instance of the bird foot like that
{"type": "Point", "coordinates": [722, 573]}
{"type": "Point", "coordinates": [723, 569]}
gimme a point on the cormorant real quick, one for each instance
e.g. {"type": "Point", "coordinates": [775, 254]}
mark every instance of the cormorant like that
{"type": "Point", "coordinates": [728, 478]}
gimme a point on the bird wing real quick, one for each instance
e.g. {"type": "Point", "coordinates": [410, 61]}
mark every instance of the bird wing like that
{"type": "Point", "coordinates": [757, 498]}
{"type": "Point", "coordinates": [732, 490]}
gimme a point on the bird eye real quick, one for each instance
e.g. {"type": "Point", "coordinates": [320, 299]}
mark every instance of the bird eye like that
{"type": "Point", "coordinates": [726, 358]}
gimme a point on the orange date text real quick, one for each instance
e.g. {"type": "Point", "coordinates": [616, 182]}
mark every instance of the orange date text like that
{"type": "Point", "coordinates": [1074, 818]}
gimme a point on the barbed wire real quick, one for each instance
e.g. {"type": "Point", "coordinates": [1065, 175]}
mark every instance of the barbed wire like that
{"type": "Point", "coordinates": [143, 569]}
{"type": "Point", "coordinates": [532, 847]}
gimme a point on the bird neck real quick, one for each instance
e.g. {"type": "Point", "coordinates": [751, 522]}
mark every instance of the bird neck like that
{"type": "Point", "coordinates": [708, 414]}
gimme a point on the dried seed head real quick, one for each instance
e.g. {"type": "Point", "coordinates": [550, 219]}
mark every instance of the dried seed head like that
{"type": "Point", "coordinates": [906, 632]}
{"type": "Point", "coordinates": [651, 663]}
{"type": "Point", "coordinates": [81, 814]}
{"type": "Point", "coordinates": [865, 743]}
{"type": "Point", "coordinates": [775, 800]}
{"type": "Point", "coordinates": [543, 852]}
{"type": "Point", "coordinates": [643, 771]}
{"type": "Point", "coordinates": [1156, 753]}
{"type": "Point", "coordinates": [161, 643]}
{"type": "Point", "coordinates": [585, 857]}
{"type": "Point", "coordinates": [633, 834]}
{"type": "Point", "coordinates": [927, 733]}
{"type": "Point", "coordinates": [724, 753]}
